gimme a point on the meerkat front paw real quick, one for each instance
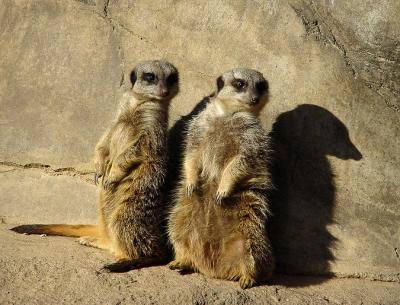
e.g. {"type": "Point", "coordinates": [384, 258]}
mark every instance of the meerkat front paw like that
{"type": "Point", "coordinates": [246, 282]}
{"type": "Point", "coordinates": [219, 198]}
{"type": "Point", "coordinates": [114, 176]}
{"type": "Point", "coordinates": [190, 186]}
{"type": "Point", "coordinates": [191, 175]}
{"type": "Point", "coordinates": [174, 265]}
{"type": "Point", "coordinates": [100, 166]}
{"type": "Point", "coordinates": [190, 189]}
{"type": "Point", "coordinates": [223, 192]}
{"type": "Point", "coordinates": [110, 182]}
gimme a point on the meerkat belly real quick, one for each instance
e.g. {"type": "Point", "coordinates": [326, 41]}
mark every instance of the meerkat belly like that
{"type": "Point", "coordinates": [219, 146]}
{"type": "Point", "coordinates": [216, 245]}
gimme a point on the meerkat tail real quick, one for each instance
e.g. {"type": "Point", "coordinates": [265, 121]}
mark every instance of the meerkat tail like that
{"type": "Point", "coordinates": [58, 229]}
{"type": "Point", "coordinates": [126, 265]}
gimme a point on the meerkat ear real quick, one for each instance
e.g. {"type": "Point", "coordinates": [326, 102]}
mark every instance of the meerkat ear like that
{"type": "Point", "coordinates": [220, 83]}
{"type": "Point", "coordinates": [133, 77]}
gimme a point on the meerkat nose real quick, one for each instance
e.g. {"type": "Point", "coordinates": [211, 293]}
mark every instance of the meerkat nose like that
{"type": "Point", "coordinates": [164, 92]}
{"type": "Point", "coordinates": [255, 100]}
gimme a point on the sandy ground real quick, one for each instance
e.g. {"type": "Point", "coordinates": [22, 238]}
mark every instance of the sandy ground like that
{"type": "Point", "coordinates": [57, 270]}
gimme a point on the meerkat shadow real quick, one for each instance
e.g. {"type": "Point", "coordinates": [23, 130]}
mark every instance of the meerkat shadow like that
{"type": "Point", "coordinates": [304, 199]}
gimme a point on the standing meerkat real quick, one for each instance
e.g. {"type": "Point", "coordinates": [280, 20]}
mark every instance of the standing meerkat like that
{"type": "Point", "coordinates": [131, 160]}
{"type": "Point", "coordinates": [217, 225]}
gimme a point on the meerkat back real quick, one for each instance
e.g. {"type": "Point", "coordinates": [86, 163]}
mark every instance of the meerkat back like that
{"type": "Point", "coordinates": [217, 225]}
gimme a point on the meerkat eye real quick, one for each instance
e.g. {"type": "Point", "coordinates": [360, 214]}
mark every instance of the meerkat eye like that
{"type": "Point", "coordinates": [239, 84]}
{"type": "Point", "coordinates": [149, 77]}
{"type": "Point", "coordinates": [133, 77]}
{"type": "Point", "coordinates": [261, 87]}
{"type": "Point", "coordinates": [220, 83]}
{"type": "Point", "coordinates": [172, 79]}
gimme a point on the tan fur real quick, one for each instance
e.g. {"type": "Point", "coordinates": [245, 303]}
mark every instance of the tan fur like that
{"type": "Point", "coordinates": [217, 225]}
{"type": "Point", "coordinates": [131, 160]}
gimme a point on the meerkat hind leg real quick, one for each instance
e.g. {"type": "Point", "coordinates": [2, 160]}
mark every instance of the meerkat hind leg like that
{"type": "Point", "coordinates": [181, 267]}
{"type": "Point", "coordinates": [247, 278]}
{"type": "Point", "coordinates": [246, 282]}
{"type": "Point", "coordinates": [182, 263]}
{"type": "Point", "coordinates": [238, 256]}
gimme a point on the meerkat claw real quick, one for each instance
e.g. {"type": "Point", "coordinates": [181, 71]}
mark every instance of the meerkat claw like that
{"type": "Point", "coordinates": [246, 282]}
{"type": "Point", "coordinates": [220, 198]}
{"type": "Point", "coordinates": [96, 178]}
{"type": "Point", "coordinates": [178, 266]}
{"type": "Point", "coordinates": [109, 184]}
{"type": "Point", "coordinates": [190, 189]}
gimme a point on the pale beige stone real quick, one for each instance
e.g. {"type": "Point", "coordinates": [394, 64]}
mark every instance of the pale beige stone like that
{"type": "Point", "coordinates": [333, 69]}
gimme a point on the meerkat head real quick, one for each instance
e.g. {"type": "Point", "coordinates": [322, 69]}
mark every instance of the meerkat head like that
{"type": "Point", "coordinates": [243, 89]}
{"type": "Point", "coordinates": [155, 80]}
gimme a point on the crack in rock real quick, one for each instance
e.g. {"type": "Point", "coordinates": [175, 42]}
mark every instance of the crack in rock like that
{"type": "Point", "coordinates": [397, 252]}
{"type": "Point", "coordinates": [320, 31]}
{"type": "Point", "coordinates": [371, 66]}
{"type": "Point", "coordinates": [118, 39]}
{"type": "Point", "coordinates": [105, 8]}
{"type": "Point", "coordinates": [105, 15]}
{"type": "Point", "coordinates": [86, 176]}
{"type": "Point", "coordinates": [117, 25]}
{"type": "Point", "coordinates": [87, 2]}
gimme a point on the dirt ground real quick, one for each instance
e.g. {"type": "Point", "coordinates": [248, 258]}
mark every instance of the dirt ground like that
{"type": "Point", "coordinates": [57, 270]}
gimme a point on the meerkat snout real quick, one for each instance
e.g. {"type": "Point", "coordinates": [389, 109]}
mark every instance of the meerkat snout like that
{"type": "Point", "coordinates": [156, 80]}
{"type": "Point", "coordinates": [254, 100]}
{"type": "Point", "coordinates": [164, 92]}
{"type": "Point", "coordinates": [246, 86]}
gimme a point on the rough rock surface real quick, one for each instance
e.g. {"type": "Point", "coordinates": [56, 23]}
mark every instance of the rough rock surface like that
{"type": "Point", "coordinates": [57, 270]}
{"type": "Point", "coordinates": [333, 68]}
{"type": "Point", "coordinates": [37, 194]}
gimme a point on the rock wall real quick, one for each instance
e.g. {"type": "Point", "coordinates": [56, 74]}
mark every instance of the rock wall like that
{"type": "Point", "coordinates": [333, 69]}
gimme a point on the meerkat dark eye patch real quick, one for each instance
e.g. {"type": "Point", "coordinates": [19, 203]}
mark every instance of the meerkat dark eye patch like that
{"type": "Point", "coordinates": [149, 77]}
{"type": "Point", "coordinates": [133, 77]}
{"type": "Point", "coordinates": [262, 87]}
{"type": "Point", "coordinates": [239, 84]}
{"type": "Point", "coordinates": [220, 83]}
{"type": "Point", "coordinates": [172, 79]}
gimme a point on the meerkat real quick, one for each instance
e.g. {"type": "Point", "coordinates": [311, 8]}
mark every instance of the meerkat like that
{"type": "Point", "coordinates": [217, 223]}
{"type": "Point", "coordinates": [131, 160]}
